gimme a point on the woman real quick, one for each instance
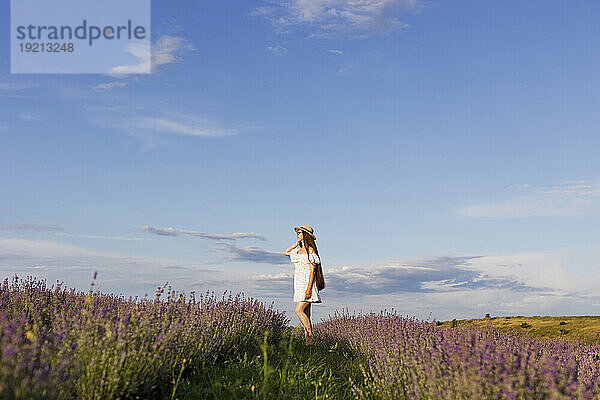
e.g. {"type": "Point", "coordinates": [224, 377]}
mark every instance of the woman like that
{"type": "Point", "coordinates": [308, 276]}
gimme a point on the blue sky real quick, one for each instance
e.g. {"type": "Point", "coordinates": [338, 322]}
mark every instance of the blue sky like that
{"type": "Point", "coordinates": [444, 152]}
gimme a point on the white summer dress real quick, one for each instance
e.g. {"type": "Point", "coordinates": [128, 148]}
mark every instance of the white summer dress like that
{"type": "Point", "coordinates": [302, 274]}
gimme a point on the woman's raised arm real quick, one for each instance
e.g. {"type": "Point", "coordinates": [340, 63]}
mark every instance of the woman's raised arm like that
{"type": "Point", "coordinates": [287, 251]}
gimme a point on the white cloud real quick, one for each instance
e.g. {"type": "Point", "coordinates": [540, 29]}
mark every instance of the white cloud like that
{"type": "Point", "coordinates": [535, 283]}
{"type": "Point", "coordinates": [253, 254]}
{"type": "Point", "coordinates": [568, 198]}
{"type": "Point", "coordinates": [536, 269]}
{"type": "Point", "coordinates": [166, 50]}
{"type": "Point", "coordinates": [186, 125]}
{"type": "Point", "coordinates": [278, 50]}
{"type": "Point", "coordinates": [334, 51]}
{"type": "Point", "coordinates": [153, 127]}
{"type": "Point", "coordinates": [31, 227]}
{"type": "Point", "coordinates": [281, 275]}
{"type": "Point", "coordinates": [149, 58]}
{"type": "Point", "coordinates": [573, 188]}
{"type": "Point", "coordinates": [118, 273]}
{"type": "Point", "coordinates": [170, 231]}
{"type": "Point", "coordinates": [433, 274]}
{"type": "Point", "coordinates": [108, 86]}
{"type": "Point", "coordinates": [330, 17]}
{"type": "Point", "coordinates": [142, 52]}
{"type": "Point", "coordinates": [102, 237]}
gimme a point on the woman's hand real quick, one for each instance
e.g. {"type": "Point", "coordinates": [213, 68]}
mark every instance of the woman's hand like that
{"type": "Point", "coordinates": [308, 294]}
{"type": "Point", "coordinates": [287, 251]}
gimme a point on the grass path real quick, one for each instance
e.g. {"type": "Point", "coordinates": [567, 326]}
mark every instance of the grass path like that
{"type": "Point", "coordinates": [288, 370]}
{"type": "Point", "coordinates": [292, 370]}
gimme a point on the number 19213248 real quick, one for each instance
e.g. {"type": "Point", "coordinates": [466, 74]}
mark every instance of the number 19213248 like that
{"type": "Point", "coordinates": [46, 47]}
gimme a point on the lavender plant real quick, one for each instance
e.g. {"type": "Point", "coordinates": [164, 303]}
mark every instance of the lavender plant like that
{"type": "Point", "coordinates": [413, 359]}
{"type": "Point", "coordinates": [57, 343]}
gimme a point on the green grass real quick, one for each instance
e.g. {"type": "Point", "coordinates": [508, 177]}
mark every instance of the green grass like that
{"type": "Point", "coordinates": [584, 328]}
{"type": "Point", "coordinates": [291, 370]}
{"type": "Point", "coordinates": [287, 370]}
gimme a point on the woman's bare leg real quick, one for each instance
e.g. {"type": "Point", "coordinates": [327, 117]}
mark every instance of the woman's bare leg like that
{"type": "Point", "coordinates": [304, 320]}
{"type": "Point", "coordinates": [309, 333]}
{"type": "Point", "coordinates": [307, 312]}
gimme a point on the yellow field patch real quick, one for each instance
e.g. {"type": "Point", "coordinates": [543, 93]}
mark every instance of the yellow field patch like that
{"type": "Point", "coordinates": [586, 329]}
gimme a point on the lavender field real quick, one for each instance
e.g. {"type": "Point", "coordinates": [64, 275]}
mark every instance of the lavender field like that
{"type": "Point", "coordinates": [57, 343]}
{"type": "Point", "coordinates": [409, 359]}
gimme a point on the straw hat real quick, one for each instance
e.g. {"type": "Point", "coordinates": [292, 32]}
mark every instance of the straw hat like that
{"type": "Point", "coordinates": [307, 229]}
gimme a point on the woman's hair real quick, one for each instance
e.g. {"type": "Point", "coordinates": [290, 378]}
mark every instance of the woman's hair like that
{"type": "Point", "coordinates": [308, 241]}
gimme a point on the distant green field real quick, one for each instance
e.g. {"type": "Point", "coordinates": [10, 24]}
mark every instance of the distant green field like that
{"type": "Point", "coordinates": [584, 328]}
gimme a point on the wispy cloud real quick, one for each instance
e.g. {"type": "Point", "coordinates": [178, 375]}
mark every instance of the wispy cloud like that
{"type": "Point", "coordinates": [542, 270]}
{"type": "Point", "coordinates": [335, 51]}
{"type": "Point", "coordinates": [273, 285]}
{"type": "Point", "coordinates": [166, 50]}
{"type": "Point", "coordinates": [230, 252]}
{"type": "Point", "coordinates": [75, 266]}
{"type": "Point", "coordinates": [169, 50]}
{"type": "Point", "coordinates": [31, 227]}
{"type": "Point", "coordinates": [102, 87]}
{"type": "Point", "coordinates": [213, 236]}
{"type": "Point", "coordinates": [101, 237]}
{"type": "Point", "coordinates": [574, 197]}
{"type": "Point", "coordinates": [253, 254]}
{"type": "Point", "coordinates": [153, 128]}
{"type": "Point", "coordinates": [143, 54]}
{"type": "Point", "coordinates": [433, 275]}
{"type": "Point", "coordinates": [277, 50]}
{"type": "Point", "coordinates": [333, 17]}
{"type": "Point", "coordinates": [187, 125]}
{"type": "Point", "coordinates": [47, 253]}
{"type": "Point", "coordinates": [59, 231]}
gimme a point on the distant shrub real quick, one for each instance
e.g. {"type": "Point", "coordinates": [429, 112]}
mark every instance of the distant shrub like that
{"type": "Point", "coordinates": [562, 323]}
{"type": "Point", "coordinates": [438, 323]}
{"type": "Point", "coordinates": [525, 325]}
{"type": "Point", "coordinates": [487, 316]}
{"type": "Point", "coordinates": [563, 331]}
{"type": "Point", "coordinates": [454, 323]}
